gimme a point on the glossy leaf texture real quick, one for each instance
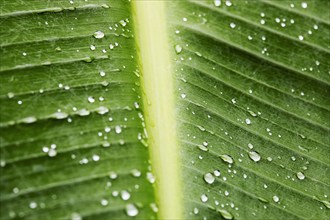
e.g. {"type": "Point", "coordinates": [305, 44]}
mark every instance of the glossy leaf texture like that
{"type": "Point", "coordinates": [253, 107]}
{"type": "Point", "coordinates": [72, 134]}
{"type": "Point", "coordinates": [252, 83]}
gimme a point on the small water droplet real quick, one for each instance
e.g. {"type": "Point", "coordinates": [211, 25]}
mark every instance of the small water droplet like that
{"type": "Point", "coordinates": [196, 211]}
{"type": "Point", "coordinates": [125, 195]}
{"type": "Point", "coordinates": [131, 210]}
{"type": "Point", "coordinates": [52, 152]}
{"type": "Point", "coordinates": [104, 202]}
{"type": "Point", "coordinates": [123, 23]}
{"type": "Point", "coordinates": [178, 49]}
{"type": "Point", "coordinates": [204, 198]}
{"type": "Point", "coordinates": [113, 175]}
{"type": "Point", "coordinates": [33, 205]}
{"type": "Point", "coordinates": [118, 129]}
{"type": "Point", "coordinates": [217, 3]}
{"type": "Point", "coordinates": [254, 156]}
{"type": "Point", "coordinates": [304, 5]}
{"type": "Point", "coordinates": [76, 216]}
{"type": "Point", "coordinates": [227, 158]}
{"type": "Point", "coordinates": [136, 173]}
{"type": "Point", "coordinates": [216, 172]}
{"type": "Point", "coordinates": [326, 203]}
{"type": "Point", "coordinates": [276, 198]}
{"type": "Point", "coordinates": [96, 157]}
{"type": "Point", "coordinates": [300, 175]}
{"type": "Point", "coordinates": [91, 99]}
{"type": "Point", "coordinates": [248, 121]}
{"type": "Point", "coordinates": [225, 214]}
{"type": "Point", "coordinates": [150, 177]}
{"type": "Point", "coordinates": [232, 25]}
{"type": "Point", "coordinates": [29, 120]}
{"type": "Point", "coordinates": [98, 34]}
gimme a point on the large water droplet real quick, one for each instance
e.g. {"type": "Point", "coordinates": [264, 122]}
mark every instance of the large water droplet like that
{"type": "Point", "coordinates": [300, 175]}
{"type": "Point", "coordinates": [227, 158]}
{"type": "Point", "coordinates": [254, 156]}
{"type": "Point", "coordinates": [98, 34]}
{"type": "Point", "coordinates": [209, 178]}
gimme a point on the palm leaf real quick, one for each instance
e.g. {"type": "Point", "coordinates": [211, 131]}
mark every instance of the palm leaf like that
{"type": "Point", "coordinates": [83, 81]}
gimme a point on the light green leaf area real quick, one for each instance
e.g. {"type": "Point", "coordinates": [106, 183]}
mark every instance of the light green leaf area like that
{"type": "Point", "coordinates": [252, 83]}
{"type": "Point", "coordinates": [253, 108]}
{"type": "Point", "coordinates": [72, 132]}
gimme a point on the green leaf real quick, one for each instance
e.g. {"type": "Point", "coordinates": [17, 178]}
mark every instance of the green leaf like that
{"type": "Point", "coordinates": [213, 109]}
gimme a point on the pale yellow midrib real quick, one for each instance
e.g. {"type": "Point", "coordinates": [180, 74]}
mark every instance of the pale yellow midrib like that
{"type": "Point", "coordinates": [158, 95]}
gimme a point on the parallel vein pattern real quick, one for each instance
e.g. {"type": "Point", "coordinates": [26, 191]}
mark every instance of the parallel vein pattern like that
{"type": "Point", "coordinates": [72, 133]}
{"type": "Point", "coordinates": [253, 105]}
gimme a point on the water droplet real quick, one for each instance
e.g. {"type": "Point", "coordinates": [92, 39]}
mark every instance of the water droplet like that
{"type": "Point", "coordinates": [217, 173]}
{"type": "Point", "coordinates": [178, 49]}
{"type": "Point", "coordinates": [98, 34]}
{"type": "Point", "coordinates": [209, 178]}
{"type": "Point", "coordinates": [326, 203]}
{"type": "Point", "coordinates": [228, 3]}
{"type": "Point", "coordinates": [118, 129]}
{"type": "Point", "coordinates": [150, 177]}
{"type": "Point", "coordinates": [276, 198]}
{"type": "Point", "coordinates": [2, 163]}
{"type": "Point", "coordinates": [76, 216]}
{"type": "Point", "coordinates": [102, 110]}
{"type": "Point", "coordinates": [29, 120]}
{"type": "Point", "coordinates": [204, 198]}
{"type": "Point", "coordinates": [96, 157]}
{"type": "Point", "coordinates": [225, 214]}
{"type": "Point", "coordinates": [196, 211]}
{"type": "Point", "coordinates": [104, 202]}
{"type": "Point", "coordinates": [304, 5]}
{"type": "Point", "coordinates": [254, 156]}
{"type": "Point", "coordinates": [300, 175]}
{"type": "Point", "coordinates": [232, 25]}
{"type": "Point", "coordinates": [248, 121]}
{"type": "Point", "coordinates": [300, 37]}
{"type": "Point", "coordinates": [83, 112]}
{"type": "Point", "coordinates": [91, 99]}
{"type": "Point", "coordinates": [202, 147]}
{"type": "Point", "coordinates": [183, 95]}
{"type": "Point", "coordinates": [33, 205]}
{"type": "Point", "coordinates": [227, 158]}
{"type": "Point", "coordinates": [92, 47]}
{"type": "Point", "coordinates": [136, 173]}
{"type": "Point", "coordinates": [102, 73]}
{"type": "Point", "coordinates": [131, 210]}
{"type": "Point", "coordinates": [250, 145]}
{"type": "Point", "coordinates": [60, 115]}
{"type": "Point", "coordinates": [125, 195]}
{"type": "Point", "coordinates": [52, 152]}
{"type": "Point", "coordinates": [123, 23]}
{"type": "Point", "coordinates": [217, 3]}
{"type": "Point", "coordinates": [113, 175]}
